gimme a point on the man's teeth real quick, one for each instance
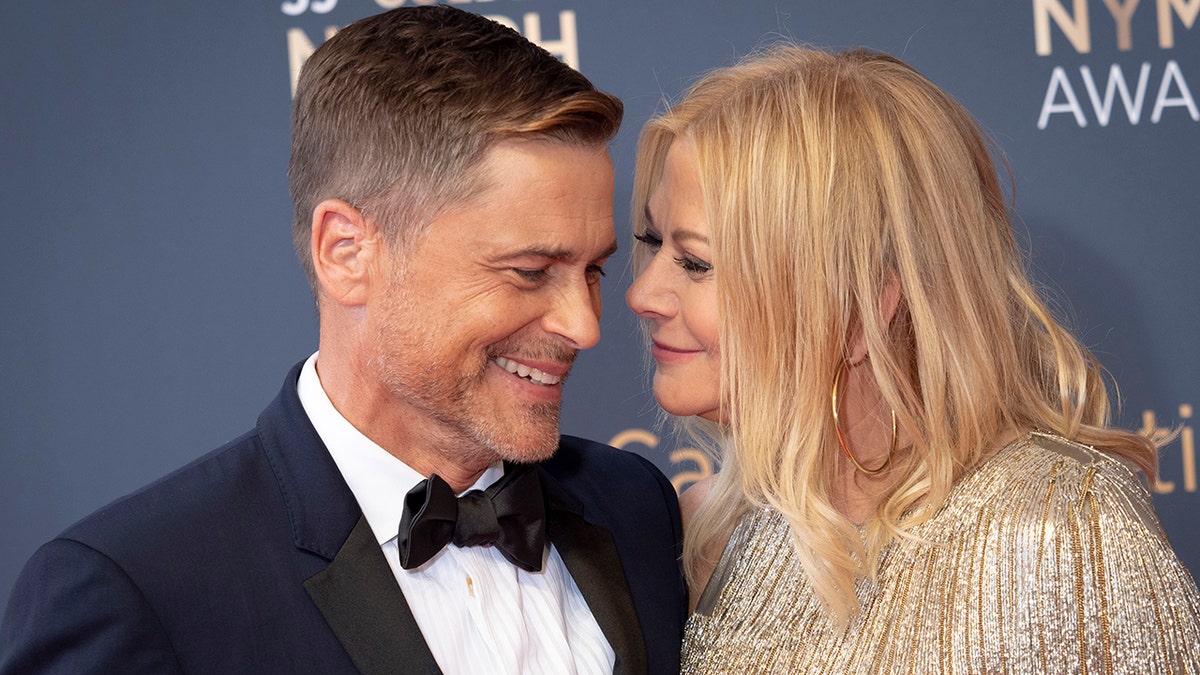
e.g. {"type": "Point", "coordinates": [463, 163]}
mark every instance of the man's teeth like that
{"type": "Point", "coordinates": [532, 374]}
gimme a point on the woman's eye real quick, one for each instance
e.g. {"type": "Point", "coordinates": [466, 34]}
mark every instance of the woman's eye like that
{"type": "Point", "coordinates": [650, 239]}
{"type": "Point", "coordinates": [694, 265]}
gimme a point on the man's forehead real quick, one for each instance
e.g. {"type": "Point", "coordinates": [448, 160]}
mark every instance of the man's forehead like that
{"type": "Point", "coordinates": [539, 199]}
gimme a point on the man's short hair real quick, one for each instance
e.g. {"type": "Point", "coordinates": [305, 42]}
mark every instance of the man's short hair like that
{"type": "Point", "coordinates": [393, 112]}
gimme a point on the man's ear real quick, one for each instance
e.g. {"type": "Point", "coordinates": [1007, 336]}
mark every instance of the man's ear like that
{"type": "Point", "coordinates": [889, 301]}
{"type": "Point", "coordinates": [343, 246]}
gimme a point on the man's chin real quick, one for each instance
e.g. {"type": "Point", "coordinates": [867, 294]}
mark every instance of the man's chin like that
{"type": "Point", "coordinates": [532, 450]}
{"type": "Point", "coordinates": [523, 436]}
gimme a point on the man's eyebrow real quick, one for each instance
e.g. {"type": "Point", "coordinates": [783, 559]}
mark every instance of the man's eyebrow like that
{"type": "Point", "coordinates": [556, 253]}
{"type": "Point", "coordinates": [612, 248]}
{"type": "Point", "coordinates": [538, 251]}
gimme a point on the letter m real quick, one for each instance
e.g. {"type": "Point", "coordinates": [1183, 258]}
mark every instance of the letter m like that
{"type": "Point", "coordinates": [1187, 11]}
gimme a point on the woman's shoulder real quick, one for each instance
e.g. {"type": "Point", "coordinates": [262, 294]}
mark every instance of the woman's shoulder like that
{"type": "Point", "coordinates": [1053, 463]}
{"type": "Point", "coordinates": [1080, 456]}
{"type": "Point", "coordinates": [1042, 479]}
{"type": "Point", "coordinates": [1055, 520]}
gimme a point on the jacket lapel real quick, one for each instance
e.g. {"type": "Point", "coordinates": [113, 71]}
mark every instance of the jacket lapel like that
{"type": "Point", "coordinates": [591, 557]}
{"type": "Point", "coordinates": [356, 592]}
{"type": "Point", "coordinates": [358, 596]}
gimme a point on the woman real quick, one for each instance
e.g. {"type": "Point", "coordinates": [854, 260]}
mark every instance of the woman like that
{"type": "Point", "coordinates": [917, 469]}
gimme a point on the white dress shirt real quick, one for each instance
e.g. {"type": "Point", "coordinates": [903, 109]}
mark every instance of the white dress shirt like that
{"type": "Point", "coordinates": [478, 612]}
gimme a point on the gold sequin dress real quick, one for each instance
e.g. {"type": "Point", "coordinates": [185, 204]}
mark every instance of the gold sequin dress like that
{"type": "Point", "coordinates": [1049, 558]}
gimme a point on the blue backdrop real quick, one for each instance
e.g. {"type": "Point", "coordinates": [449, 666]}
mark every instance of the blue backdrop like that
{"type": "Point", "coordinates": [152, 304]}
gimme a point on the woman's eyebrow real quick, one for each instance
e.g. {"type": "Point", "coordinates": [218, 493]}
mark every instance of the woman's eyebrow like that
{"type": "Point", "coordinates": [688, 235]}
{"type": "Point", "coordinates": [678, 234]}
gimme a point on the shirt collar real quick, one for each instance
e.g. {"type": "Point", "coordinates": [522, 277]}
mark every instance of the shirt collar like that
{"type": "Point", "coordinates": [378, 479]}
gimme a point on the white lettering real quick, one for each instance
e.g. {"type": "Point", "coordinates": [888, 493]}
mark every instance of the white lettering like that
{"type": "Point", "coordinates": [298, 7]}
{"type": "Point", "coordinates": [1116, 83]}
{"type": "Point", "coordinates": [1058, 80]}
{"type": "Point", "coordinates": [1173, 92]}
{"type": "Point", "coordinates": [1173, 74]}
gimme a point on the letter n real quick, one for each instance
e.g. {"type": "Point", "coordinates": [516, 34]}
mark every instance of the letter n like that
{"type": "Point", "coordinates": [1075, 28]}
{"type": "Point", "coordinates": [299, 49]}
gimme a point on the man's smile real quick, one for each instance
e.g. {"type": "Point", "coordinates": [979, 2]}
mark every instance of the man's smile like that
{"type": "Point", "coordinates": [527, 372]}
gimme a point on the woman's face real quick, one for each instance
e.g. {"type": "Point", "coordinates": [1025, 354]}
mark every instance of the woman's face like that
{"type": "Point", "coordinates": [675, 291]}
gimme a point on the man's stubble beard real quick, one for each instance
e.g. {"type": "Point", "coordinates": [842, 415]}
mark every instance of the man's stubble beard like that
{"type": "Point", "coordinates": [469, 425]}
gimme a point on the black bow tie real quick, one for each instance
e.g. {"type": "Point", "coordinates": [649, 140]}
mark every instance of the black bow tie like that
{"type": "Point", "coordinates": [510, 514]}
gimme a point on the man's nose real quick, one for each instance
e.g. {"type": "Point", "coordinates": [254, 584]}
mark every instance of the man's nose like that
{"type": "Point", "coordinates": [576, 315]}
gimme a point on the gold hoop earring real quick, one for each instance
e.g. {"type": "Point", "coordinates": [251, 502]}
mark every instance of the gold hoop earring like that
{"type": "Point", "coordinates": [837, 427]}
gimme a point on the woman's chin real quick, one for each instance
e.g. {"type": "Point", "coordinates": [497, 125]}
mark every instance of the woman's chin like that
{"type": "Point", "coordinates": [678, 408]}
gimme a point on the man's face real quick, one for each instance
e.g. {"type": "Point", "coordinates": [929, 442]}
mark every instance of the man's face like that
{"type": "Point", "coordinates": [481, 320]}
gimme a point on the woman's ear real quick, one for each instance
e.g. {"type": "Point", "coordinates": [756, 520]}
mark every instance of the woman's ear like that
{"type": "Point", "coordinates": [889, 301]}
{"type": "Point", "coordinates": [343, 244]}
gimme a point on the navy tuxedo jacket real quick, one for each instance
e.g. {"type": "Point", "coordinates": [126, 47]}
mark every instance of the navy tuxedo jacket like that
{"type": "Point", "coordinates": [256, 559]}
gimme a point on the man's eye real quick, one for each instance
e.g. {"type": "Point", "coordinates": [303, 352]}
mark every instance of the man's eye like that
{"type": "Point", "coordinates": [594, 273]}
{"type": "Point", "coordinates": [532, 276]}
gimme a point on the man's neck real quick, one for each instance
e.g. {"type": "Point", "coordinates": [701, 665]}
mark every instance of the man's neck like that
{"type": "Point", "coordinates": [373, 410]}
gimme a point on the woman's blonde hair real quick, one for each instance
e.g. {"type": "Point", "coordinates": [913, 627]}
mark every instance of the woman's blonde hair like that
{"type": "Point", "coordinates": [825, 177]}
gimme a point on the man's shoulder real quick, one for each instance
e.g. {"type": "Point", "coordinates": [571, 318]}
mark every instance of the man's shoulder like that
{"type": "Point", "coordinates": [614, 482]}
{"type": "Point", "coordinates": [226, 490]}
{"type": "Point", "coordinates": [581, 458]}
{"type": "Point", "coordinates": [199, 491]}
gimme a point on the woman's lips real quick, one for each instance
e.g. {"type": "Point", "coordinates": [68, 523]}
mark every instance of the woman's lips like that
{"type": "Point", "coordinates": [668, 354]}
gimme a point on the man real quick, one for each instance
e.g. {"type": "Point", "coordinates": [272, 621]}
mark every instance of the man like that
{"type": "Point", "coordinates": [453, 212]}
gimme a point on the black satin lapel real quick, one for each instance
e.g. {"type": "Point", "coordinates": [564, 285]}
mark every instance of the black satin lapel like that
{"type": "Point", "coordinates": [591, 558]}
{"type": "Point", "coordinates": [359, 598]}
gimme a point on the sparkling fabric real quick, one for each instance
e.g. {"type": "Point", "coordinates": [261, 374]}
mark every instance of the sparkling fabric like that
{"type": "Point", "coordinates": [1047, 559]}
